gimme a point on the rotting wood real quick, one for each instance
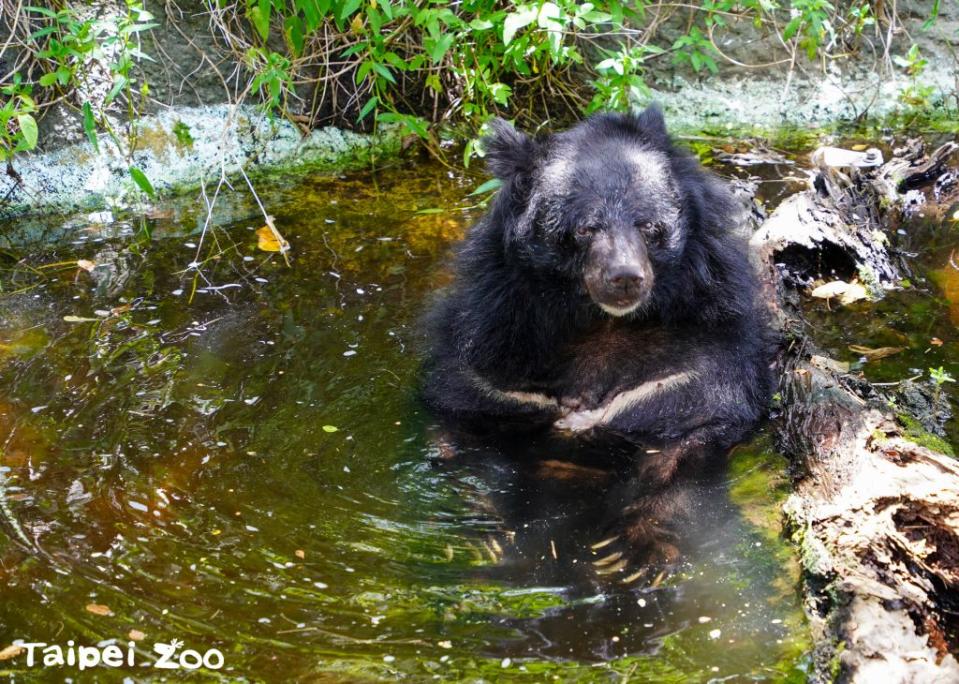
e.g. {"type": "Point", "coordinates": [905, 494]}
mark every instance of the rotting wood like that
{"type": "Point", "coordinates": [875, 514]}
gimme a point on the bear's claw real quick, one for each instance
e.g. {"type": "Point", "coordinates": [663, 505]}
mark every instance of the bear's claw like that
{"type": "Point", "coordinates": [579, 421]}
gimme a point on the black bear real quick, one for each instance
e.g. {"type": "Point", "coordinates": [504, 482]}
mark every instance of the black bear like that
{"type": "Point", "coordinates": [606, 289]}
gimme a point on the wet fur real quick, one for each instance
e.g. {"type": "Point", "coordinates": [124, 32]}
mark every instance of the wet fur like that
{"type": "Point", "coordinates": [518, 318]}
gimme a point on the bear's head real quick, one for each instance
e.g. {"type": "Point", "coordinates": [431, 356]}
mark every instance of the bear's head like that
{"type": "Point", "coordinates": [608, 204]}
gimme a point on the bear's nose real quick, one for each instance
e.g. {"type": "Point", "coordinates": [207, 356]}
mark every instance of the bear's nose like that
{"type": "Point", "coordinates": [626, 279]}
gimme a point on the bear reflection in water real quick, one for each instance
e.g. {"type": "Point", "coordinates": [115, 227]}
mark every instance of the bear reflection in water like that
{"type": "Point", "coordinates": [577, 515]}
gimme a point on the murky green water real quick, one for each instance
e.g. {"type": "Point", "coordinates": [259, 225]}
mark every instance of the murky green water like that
{"type": "Point", "coordinates": [238, 461]}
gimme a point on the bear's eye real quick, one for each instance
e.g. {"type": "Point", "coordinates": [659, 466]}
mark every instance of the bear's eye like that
{"type": "Point", "coordinates": [584, 231]}
{"type": "Point", "coordinates": [653, 228]}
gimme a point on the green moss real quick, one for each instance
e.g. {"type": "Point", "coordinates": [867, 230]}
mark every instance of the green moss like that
{"type": "Point", "coordinates": [835, 664]}
{"type": "Point", "coordinates": [182, 133]}
{"type": "Point", "coordinates": [914, 431]}
{"type": "Point", "coordinates": [759, 485]}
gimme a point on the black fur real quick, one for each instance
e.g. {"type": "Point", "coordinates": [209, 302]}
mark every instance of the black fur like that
{"type": "Point", "coordinates": [520, 318]}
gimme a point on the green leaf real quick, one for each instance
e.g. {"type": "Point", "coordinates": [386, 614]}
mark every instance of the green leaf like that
{"type": "Point", "coordinates": [330, 428]}
{"type": "Point", "coordinates": [791, 28]}
{"type": "Point", "coordinates": [368, 107]}
{"type": "Point", "coordinates": [36, 35]}
{"type": "Point", "coordinates": [28, 129]}
{"type": "Point", "coordinates": [438, 48]}
{"type": "Point", "coordinates": [933, 16]}
{"type": "Point", "coordinates": [41, 10]}
{"type": "Point", "coordinates": [595, 17]}
{"type": "Point", "coordinates": [312, 13]}
{"type": "Point", "coordinates": [501, 93]}
{"type": "Point", "coordinates": [142, 182]}
{"type": "Point", "coordinates": [348, 8]}
{"type": "Point", "coordinates": [488, 186]}
{"type": "Point", "coordinates": [414, 124]}
{"type": "Point", "coordinates": [90, 125]}
{"type": "Point", "coordinates": [362, 72]}
{"type": "Point", "coordinates": [468, 152]}
{"type": "Point", "coordinates": [141, 27]}
{"type": "Point", "coordinates": [522, 17]}
{"type": "Point", "coordinates": [293, 27]}
{"type": "Point", "coordinates": [383, 71]}
{"type": "Point", "coordinates": [259, 16]}
{"type": "Point", "coordinates": [48, 80]}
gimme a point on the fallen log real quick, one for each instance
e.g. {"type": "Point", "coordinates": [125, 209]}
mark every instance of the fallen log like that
{"type": "Point", "coordinates": [875, 514]}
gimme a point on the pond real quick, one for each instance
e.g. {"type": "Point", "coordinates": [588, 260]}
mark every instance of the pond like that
{"type": "Point", "coordinates": [237, 460]}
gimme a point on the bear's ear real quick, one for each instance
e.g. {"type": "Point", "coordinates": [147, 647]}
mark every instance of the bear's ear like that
{"type": "Point", "coordinates": [651, 122]}
{"type": "Point", "coordinates": [508, 152]}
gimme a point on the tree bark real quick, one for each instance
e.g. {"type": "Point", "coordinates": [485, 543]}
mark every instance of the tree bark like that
{"type": "Point", "coordinates": [875, 515]}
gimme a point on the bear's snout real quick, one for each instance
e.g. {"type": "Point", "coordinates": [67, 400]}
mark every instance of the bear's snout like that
{"type": "Point", "coordinates": [618, 272]}
{"type": "Point", "coordinates": [627, 280]}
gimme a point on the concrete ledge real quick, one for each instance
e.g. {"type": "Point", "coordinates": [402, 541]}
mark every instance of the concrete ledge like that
{"type": "Point", "coordinates": [177, 150]}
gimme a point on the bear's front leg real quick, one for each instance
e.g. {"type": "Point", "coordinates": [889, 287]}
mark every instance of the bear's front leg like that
{"type": "Point", "coordinates": [579, 419]}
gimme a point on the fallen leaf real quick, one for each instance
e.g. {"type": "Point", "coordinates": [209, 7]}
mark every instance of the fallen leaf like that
{"type": "Point", "coordinates": [876, 353]}
{"type": "Point", "coordinates": [935, 341]}
{"type": "Point", "coordinates": [136, 635]}
{"type": "Point", "coordinates": [300, 553]}
{"type": "Point", "coordinates": [99, 609]}
{"type": "Point", "coordinates": [86, 264]}
{"type": "Point", "coordinates": [11, 651]}
{"type": "Point", "coordinates": [846, 292]}
{"type": "Point", "coordinates": [829, 290]}
{"type": "Point", "coordinates": [268, 239]}
{"type": "Point", "coordinates": [854, 293]}
{"type": "Point", "coordinates": [859, 148]}
{"type": "Point", "coordinates": [330, 428]}
{"type": "Point", "coordinates": [79, 319]}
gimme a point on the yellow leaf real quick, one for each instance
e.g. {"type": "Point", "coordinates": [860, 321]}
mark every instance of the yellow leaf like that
{"type": "Point", "coordinates": [300, 553]}
{"type": "Point", "coordinates": [269, 240]}
{"type": "Point", "coordinates": [859, 148]}
{"type": "Point", "coordinates": [830, 290]}
{"type": "Point", "coordinates": [98, 609]}
{"type": "Point", "coordinates": [11, 652]}
{"type": "Point", "coordinates": [86, 264]}
{"type": "Point", "coordinates": [846, 292]}
{"type": "Point", "coordinates": [873, 354]}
